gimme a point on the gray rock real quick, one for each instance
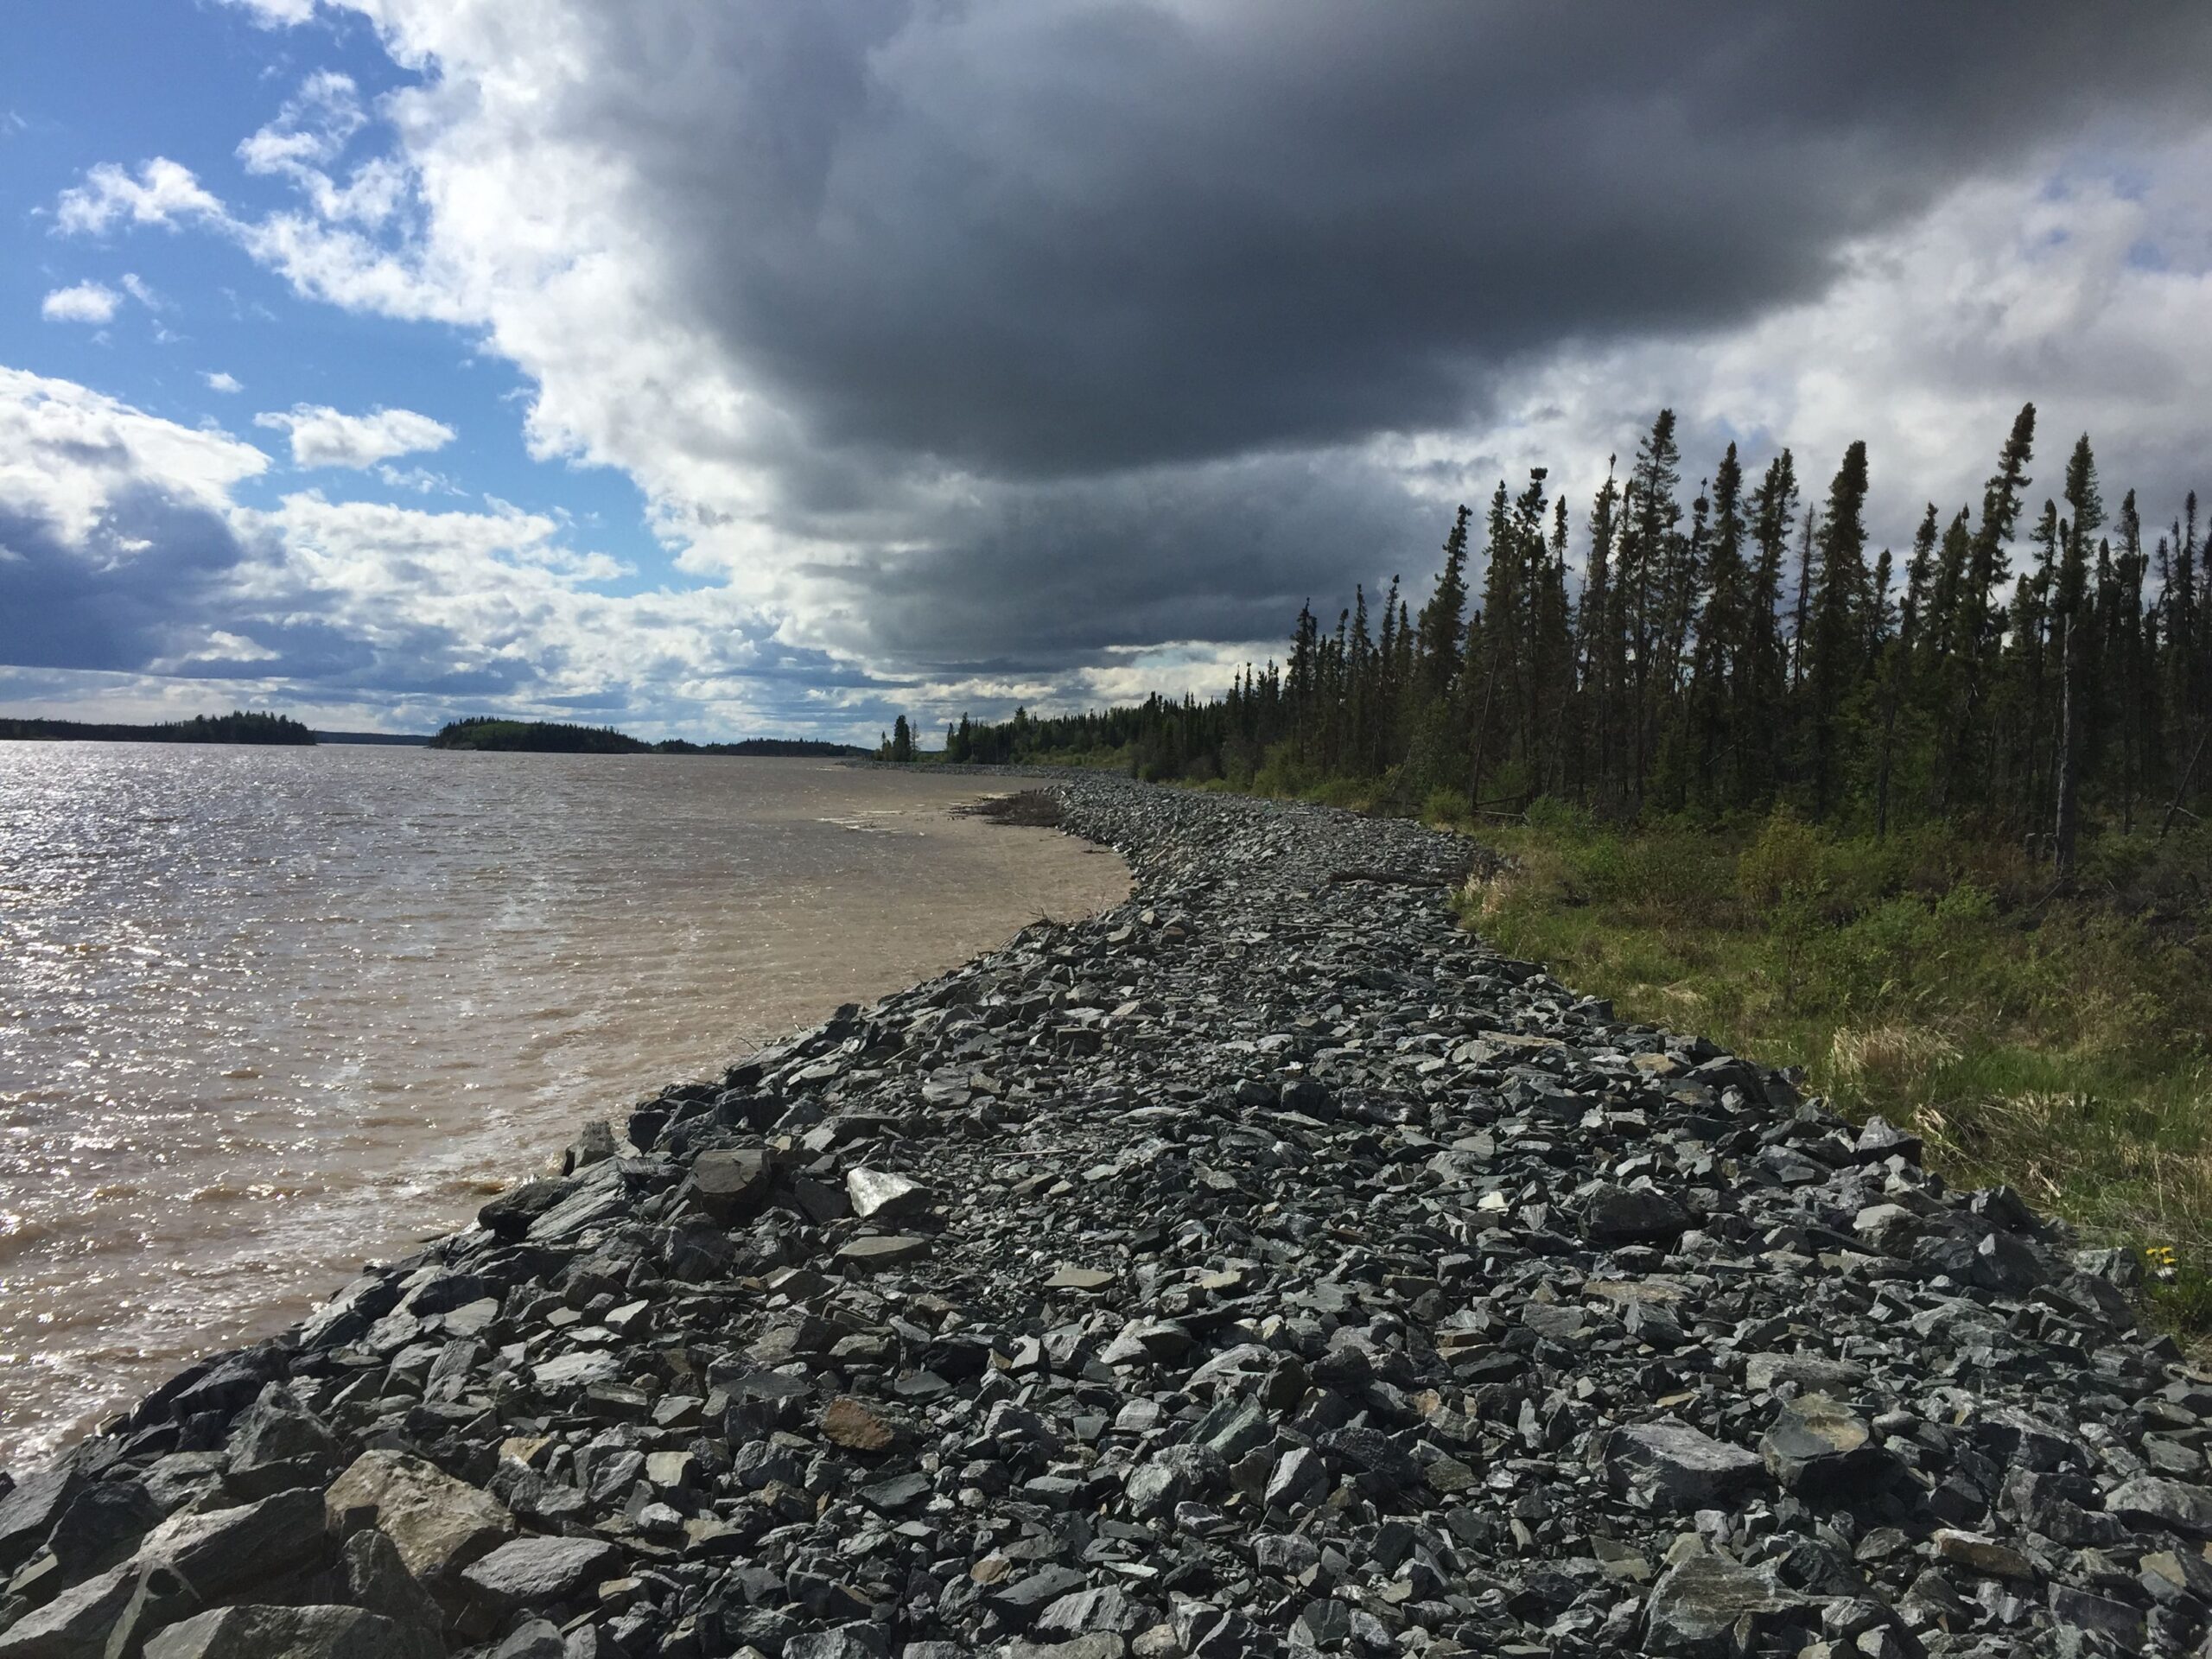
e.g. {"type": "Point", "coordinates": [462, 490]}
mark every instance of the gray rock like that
{"type": "Point", "coordinates": [534, 1638]}
{"type": "Point", "coordinates": [1709, 1606]}
{"type": "Point", "coordinates": [29, 1510]}
{"type": "Point", "coordinates": [322, 1632]}
{"type": "Point", "coordinates": [1629, 1214]}
{"type": "Point", "coordinates": [856, 1640]}
{"type": "Point", "coordinates": [1171, 1476]}
{"type": "Point", "coordinates": [891, 1250]}
{"type": "Point", "coordinates": [377, 1580]}
{"type": "Point", "coordinates": [75, 1624]}
{"type": "Point", "coordinates": [538, 1573]}
{"type": "Point", "coordinates": [1300, 1479]}
{"type": "Point", "coordinates": [217, 1554]}
{"type": "Point", "coordinates": [277, 1443]}
{"type": "Point", "coordinates": [2148, 1501]}
{"type": "Point", "coordinates": [101, 1526]}
{"type": "Point", "coordinates": [1821, 1448]}
{"type": "Point", "coordinates": [1082, 1612]}
{"type": "Point", "coordinates": [1674, 1466]}
{"type": "Point", "coordinates": [733, 1182]}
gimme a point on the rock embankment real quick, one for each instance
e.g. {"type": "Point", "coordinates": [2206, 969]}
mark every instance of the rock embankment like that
{"type": "Point", "coordinates": [1265, 1267]}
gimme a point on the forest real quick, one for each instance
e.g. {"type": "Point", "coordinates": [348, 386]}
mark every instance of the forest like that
{"type": "Point", "coordinates": [2028, 670]}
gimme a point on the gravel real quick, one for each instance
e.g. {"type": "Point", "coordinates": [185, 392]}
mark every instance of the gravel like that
{"type": "Point", "coordinates": [1266, 1267]}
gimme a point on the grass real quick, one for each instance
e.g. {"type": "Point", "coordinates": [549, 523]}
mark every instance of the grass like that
{"type": "Point", "coordinates": [2055, 1043]}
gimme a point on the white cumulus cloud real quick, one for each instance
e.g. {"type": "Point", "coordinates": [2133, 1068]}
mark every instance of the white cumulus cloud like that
{"type": "Point", "coordinates": [276, 14]}
{"type": "Point", "coordinates": [80, 302]}
{"type": "Point", "coordinates": [222, 380]}
{"type": "Point", "coordinates": [126, 556]}
{"type": "Point", "coordinates": [164, 193]}
{"type": "Point", "coordinates": [323, 436]}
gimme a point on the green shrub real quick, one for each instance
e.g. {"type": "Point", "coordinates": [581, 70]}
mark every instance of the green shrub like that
{"type": "Point", "coordinates": [1784, 860]}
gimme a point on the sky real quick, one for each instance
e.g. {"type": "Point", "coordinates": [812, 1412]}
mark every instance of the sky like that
{"type": "Point", "coordinates": [719, 370]}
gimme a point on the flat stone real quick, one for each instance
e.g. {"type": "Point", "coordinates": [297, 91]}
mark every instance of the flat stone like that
{"type": "Point", "coordinates": [75, 1624]}
{"type": "Point", "coordinates": [1818, 1445]}
{"type": "Point", "coordinates": [538, 1573]}
{"type": "Point", "coordinates": [1762, 1373]}
{"type": "Point", "coordinates": [1083, 1612]}
{"type": "Point", "coordinates": [219, 1553]}
{"type": "Point", "coordinates": [1068, 1277]}
{"type": "Point", "coordinates": [567, 1373]}
{"type": "Point", "coordinates": [889, 1250]}
{"type": "Point", "coordinates": [857, 1426]}
{"type": "Point", "coordinates": [1978, 1553]}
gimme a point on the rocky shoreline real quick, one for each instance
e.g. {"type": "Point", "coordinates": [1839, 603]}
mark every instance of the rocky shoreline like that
{"type": "Point", "coordinates": [1263, 1266]}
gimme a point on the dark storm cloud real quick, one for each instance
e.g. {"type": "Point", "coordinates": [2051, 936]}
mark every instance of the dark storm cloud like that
{"type": "Point", "coordinates": [1051, 240]}
{"type": "Point", "coordinates": [1051, 577]}
{"type": "Point", "coordinates": [113, 599]}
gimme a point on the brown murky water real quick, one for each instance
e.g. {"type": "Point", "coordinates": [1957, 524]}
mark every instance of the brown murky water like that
{"type": "Point", "coordinates": [267, 1013]}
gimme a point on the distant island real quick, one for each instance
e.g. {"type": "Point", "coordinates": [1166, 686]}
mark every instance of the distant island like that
{"type": "Point", "coordinates": [801, 747]}
{"type": "Point", "coordinates": [387, 740]}
{"type": "Point", "coordinates": [536, 737]}
{"type": "Point", "coordinates": [553, 737]}
{"type": "Point", "coordinates": [236, 726]}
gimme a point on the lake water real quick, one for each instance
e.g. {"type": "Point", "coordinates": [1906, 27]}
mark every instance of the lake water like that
{"type": "Point", "coordinates": [268, 1013]}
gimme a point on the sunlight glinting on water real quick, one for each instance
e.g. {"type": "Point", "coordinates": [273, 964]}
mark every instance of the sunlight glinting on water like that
{"type": "Point", "coordinates": [266, 1014]}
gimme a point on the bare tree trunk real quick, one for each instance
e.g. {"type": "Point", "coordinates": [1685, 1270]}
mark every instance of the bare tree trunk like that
{"type": "Point", "coordinates": [1482, 735]}
{"type": "Point", "coordinates": [2069, 743]}
{"type": "Point", "coordinates": [2181, 786]}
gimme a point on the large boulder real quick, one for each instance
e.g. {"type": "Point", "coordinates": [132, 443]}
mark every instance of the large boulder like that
{"type": "Point", "coordinates": [322, 1632]}
{"type": "Point", "coordinates": [1709, 1606]}
{"type": "Point", "coordinates": [277, 1443]}
{"type": "Point", "coordinates": [1819, 1448]}
{"type": "Point", "coordinates": [1671, 1465]}
{"type": "Point", "coordinates": [537, 1573]}
{"type": "Point", "coordinates": [732, 1183]}
{"type": "Point", "coordinates": [2148, 1501]}
{"type": "Point", "coordinates": [438, 1524]}
{"type": "Point", "coordinates": [29, 1510]}
{"type": "Point", "coordinates": [75, 1624]}
{"type": "Point", "coordinates": [216, 1553]}
{"type": "Point", "coordinates": [1614, 1215]}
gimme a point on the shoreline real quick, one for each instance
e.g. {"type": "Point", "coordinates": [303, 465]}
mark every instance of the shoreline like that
{"type": "Point", "coordinates": [423, 1006]}
{"type": "Point", "coordinates": [1263, 1265]}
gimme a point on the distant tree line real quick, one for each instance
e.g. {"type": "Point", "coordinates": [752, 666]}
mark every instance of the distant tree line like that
{"type": "Point", "coordinates": [236, 726]}
{"type": "Point", "coordinates": [2019, 669]}
{"type": "Point", "coordinates": [804, 748]}
{"type": "Point", "coordinates": [553, 737]}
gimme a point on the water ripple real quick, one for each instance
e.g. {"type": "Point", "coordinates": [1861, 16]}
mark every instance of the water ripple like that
{"type": "Point", "coordinates": [266, 1014]}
